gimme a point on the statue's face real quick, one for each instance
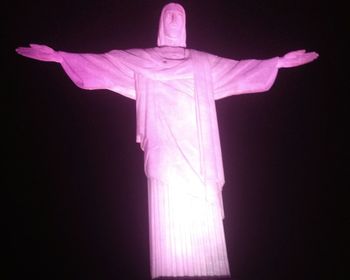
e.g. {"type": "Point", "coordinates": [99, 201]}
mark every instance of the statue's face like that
{"type": "Point", "coordinates": [172, 26]}
{"type": "Point", "coordinates": [173, 23]}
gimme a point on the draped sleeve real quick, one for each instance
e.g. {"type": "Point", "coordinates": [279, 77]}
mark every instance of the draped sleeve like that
{"type": "Point", "coordinates": [100, 71]}
{"type": "Point", "coordinates": [231, 77]}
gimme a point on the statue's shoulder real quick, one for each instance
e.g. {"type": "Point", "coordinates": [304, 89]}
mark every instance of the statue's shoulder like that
{"type": "Point", "coordinates": [197, 52]}
{"type": "Point", "coordinates": [141, 53]}
{"type": "Point", "coordinates": [132, 57]}
{"type": "Point", "coordinates": [204, 55]}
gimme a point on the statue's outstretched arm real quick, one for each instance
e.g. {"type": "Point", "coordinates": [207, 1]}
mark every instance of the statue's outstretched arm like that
{"type": "Point", "coordinates": [87, 70]}
{"type": "Point", "coordinates": [296, 58]}
{"type": "Point", "coordinates": [232, 77]}
{"type": "Point", "coordinates": [40, 52]}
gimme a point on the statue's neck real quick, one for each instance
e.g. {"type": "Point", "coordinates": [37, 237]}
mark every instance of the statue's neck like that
{"type": "Point", "coordinates": [172, 52]}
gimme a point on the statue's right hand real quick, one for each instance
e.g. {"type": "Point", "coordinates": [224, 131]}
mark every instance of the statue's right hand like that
{"type": "Point", "coordinates": [40, 52]}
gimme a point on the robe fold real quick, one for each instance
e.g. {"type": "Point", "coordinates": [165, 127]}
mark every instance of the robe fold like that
{"type": "Point", "coordinates": [177, 130]}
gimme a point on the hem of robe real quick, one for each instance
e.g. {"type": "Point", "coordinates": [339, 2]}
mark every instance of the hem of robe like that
{"type": "Point", "coordinates": [186, 234]}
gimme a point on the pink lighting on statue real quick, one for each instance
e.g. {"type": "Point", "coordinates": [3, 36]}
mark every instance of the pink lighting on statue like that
{"type": "Point", "coordinates": [175, 89]}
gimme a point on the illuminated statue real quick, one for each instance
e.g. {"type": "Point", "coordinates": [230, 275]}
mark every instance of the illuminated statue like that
{"type": "Point", "coordinates": [175, 89]}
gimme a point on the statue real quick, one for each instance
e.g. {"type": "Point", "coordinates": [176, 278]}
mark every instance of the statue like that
{"type": "Point", "coordinates": [175, 89]}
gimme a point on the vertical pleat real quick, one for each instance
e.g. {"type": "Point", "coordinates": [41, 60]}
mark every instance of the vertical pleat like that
{"type": "Point", "coordinates": [186, 234]}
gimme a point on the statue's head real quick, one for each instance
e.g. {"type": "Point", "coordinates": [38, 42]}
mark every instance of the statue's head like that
{"type": "Point", "coordinates": [172, 26]}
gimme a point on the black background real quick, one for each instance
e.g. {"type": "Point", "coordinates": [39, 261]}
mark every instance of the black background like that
{"type": "Point", "coordinates": [75, 191]}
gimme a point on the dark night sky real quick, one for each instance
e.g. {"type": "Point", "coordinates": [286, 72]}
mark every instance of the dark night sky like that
{"type": "Point", "coordinates": [76, 191]}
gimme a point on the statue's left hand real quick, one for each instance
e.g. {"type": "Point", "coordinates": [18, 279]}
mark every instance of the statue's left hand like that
{"type": "Point", "coordinates": [296, 58]}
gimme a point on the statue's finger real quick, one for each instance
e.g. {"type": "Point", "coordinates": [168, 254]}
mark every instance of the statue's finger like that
{"type": "Point", "coordinates": [312, 56]}
{"type": "Point", "coordinates": [298, 53]}
{"type": "Point", "coordinates": [42, 48]}
{"type": "Point", "coordinates": [315, 55]}
{"type": "Point", "coordinates": [22, 50]}
{"type": "Point", "coordinates": [294, 54]}
{"type": "Point", "coordinates": [27, 52]}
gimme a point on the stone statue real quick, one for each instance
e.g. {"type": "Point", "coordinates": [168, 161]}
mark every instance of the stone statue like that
{"type": "Point", "coordinates": [175, 89]}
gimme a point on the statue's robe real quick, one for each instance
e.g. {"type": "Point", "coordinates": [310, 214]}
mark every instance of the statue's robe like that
{"type": "Point", "coordinates": [178, 132]}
